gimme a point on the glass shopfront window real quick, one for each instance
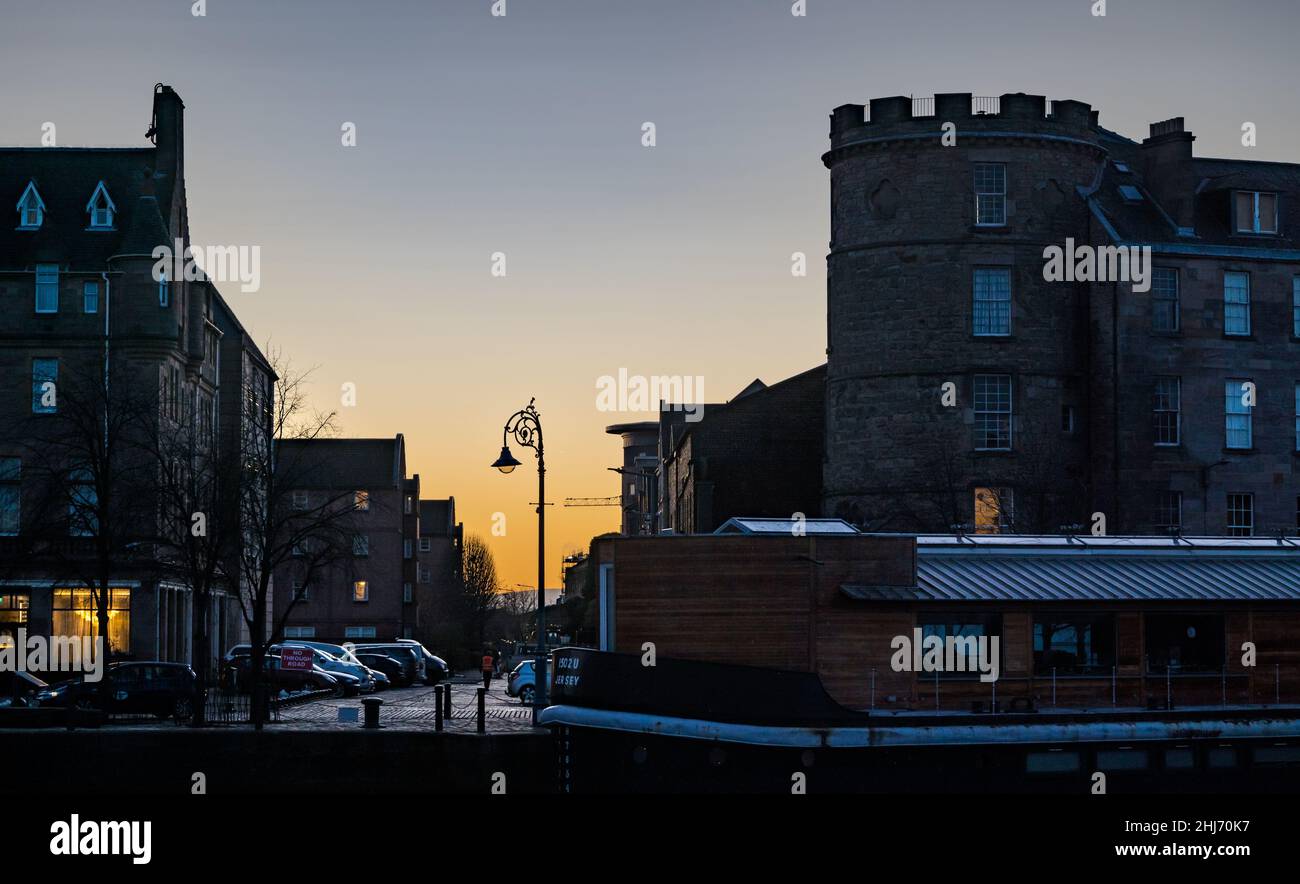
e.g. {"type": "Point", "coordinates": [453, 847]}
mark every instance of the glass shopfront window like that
{"type": "Point", "coordinates": [75, 615]}
{"type": "Point", "coordinates": [13, 614]}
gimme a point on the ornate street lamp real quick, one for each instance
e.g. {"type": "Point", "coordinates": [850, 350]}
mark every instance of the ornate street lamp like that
{"type": "Point", "coordinates": [526, 426]}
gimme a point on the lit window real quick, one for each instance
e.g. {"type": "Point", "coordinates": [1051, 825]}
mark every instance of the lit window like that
{"type": "Point", "coordinates": [990, 194]}
{"type": "Point", "coordinates": [361, 501]}
{"type": "Point", "coordinates": [1237, 413]}
{"type": "Point", "coordinates": [1166, 411]}
{"type": "Point", "coordinates": [101, 209]}
{"type": "Point", "coordinates": [31, 208]}
{"type": "Point", "coordinates": [1236, 303]}
{"type": "Point", "coordinates": [994, 510]}
{"type": "Point", "coordinates": [1241, 515]}
{"type": "Point", "coordinates": [1169, 511]}
{"type": "Point", "coordinates": [992, 307]}
{"type": "Point", "coordinates": [1256, 212]}
{"type": "Point", "coordinates": [45, 382]}
{"type": "Point", "coordinates": [1164, 299]}
{"type": "Point", "coordinates": [75, 615]}
{"type": "Point", "coordinates": [360, 591]}
{"type": "Point", "coordinates": [992, 412]}
{"type": "Point", "coordinates": [47, 288]}
{"type": "Point", "coordinates": [90, 297]}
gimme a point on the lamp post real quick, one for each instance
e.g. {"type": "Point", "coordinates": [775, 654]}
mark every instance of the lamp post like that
{"type": "Point", "coordinates": [526, 426]}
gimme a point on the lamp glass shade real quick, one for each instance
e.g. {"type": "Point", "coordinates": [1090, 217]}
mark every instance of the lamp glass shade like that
{"type": "Point", "coordinates": [506, 462]}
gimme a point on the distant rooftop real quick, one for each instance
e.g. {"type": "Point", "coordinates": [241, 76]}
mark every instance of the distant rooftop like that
{"type": "Point", "coordinates": [789, 527]}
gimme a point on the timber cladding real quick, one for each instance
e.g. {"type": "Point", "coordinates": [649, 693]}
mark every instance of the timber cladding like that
{"type": "Point", "coordinates": [776, 601]}
{"type": "Point", "coordinates": [761, 600]}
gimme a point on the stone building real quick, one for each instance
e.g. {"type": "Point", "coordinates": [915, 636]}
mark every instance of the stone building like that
{"type": "Point", "coordinates": [758, 455]}
{"type": "Point", "coordinates": [967, 385]}
{"type": "Point", "coordinates": [91, 330]}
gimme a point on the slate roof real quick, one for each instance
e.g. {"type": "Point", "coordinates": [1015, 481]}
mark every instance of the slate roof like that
{"type": "Point", "coordinates": [66, 178]}
{"type": "Point", "coordinates": [1214, 180]}
{"type": "Point", "coordinates": [343, 463]}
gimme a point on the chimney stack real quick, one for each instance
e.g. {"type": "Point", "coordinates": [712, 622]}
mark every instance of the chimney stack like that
{"type": "Point", "coordinates": [1167, 168]}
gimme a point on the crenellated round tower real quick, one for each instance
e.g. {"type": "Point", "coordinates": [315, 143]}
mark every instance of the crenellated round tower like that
{"type": "Point", "coordinates": [952, 365]}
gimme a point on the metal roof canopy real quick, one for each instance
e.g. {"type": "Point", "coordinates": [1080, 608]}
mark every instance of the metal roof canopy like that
{"type": "Point", "coordinates": [1066, 569]}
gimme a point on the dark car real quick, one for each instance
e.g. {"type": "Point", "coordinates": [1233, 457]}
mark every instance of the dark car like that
{"type": "Point", "coordinates": [435, 668]}
{"type": "Point", "coordinates": [397, 651]}
{"type": "Point", "coordinates": [167, 690]}
{"type": "Point", "coordinates": [20, 689]}
{"type": "Point", "coordinates": [400, 673]}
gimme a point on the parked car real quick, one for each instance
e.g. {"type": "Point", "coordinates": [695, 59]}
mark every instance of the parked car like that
{"type": "Point", "coordinates": [167, 690]}
{"type": "Point", "coordinates": [20, 689]}
{"type": "Point", "coordinates": [435, 668]}
{"type": "Point", "coordinates": [522, 681]}
{"type": "Point", "coordinates": [323, 658]}
{"type": "Point", "coordinates": [400, 672]}
{"type": "Point", "coordinates": [399, 650]}
{"type": "Point", "coordinates": [382, 682]}
{"type": "Point", "coordinates": [238, 676]}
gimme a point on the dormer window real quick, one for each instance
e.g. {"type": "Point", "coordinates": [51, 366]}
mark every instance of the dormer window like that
{"type": "Point", "coordinates": [101, 209]}
{"type": "Point", "coordinates": [31, 208]}
{"type": "Point", "coordinates": [1256, 212]}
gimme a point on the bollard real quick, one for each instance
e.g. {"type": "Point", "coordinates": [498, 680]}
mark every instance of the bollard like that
{"type": "Point", "coordinates": [482, 723]}
{"type": "Point", "coordinates": [437, 707]}
{"type": "Point", "coordinates": [372, 705]}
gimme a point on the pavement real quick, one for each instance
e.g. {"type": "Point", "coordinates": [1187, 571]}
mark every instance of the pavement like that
{"type": "Point", "coordinates": [412, 708]}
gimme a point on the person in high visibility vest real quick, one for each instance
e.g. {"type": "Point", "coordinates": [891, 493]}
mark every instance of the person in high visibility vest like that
{"type": "Point", "coordinates": [488, 666]}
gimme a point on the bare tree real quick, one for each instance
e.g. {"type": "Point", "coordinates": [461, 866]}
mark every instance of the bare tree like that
{"type": "Point", "coordinates": [198, 530]}
{"type": "Point", "coordinates": [314, 532]}
{"type": "Point", "coordinates": [91, 510]}
{"type": "Point", "coordinates": [480, 595]}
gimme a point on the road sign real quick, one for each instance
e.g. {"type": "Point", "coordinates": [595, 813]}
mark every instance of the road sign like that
{"type": "Point", "coordinates": [298, 659]}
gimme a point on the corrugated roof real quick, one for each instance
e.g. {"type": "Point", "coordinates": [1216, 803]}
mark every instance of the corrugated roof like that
{"type": "Point", "coordinates": [1060, 578]}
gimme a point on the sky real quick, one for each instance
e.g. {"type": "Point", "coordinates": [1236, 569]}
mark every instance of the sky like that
{"type": "Point", "coordinates": [522, 134]}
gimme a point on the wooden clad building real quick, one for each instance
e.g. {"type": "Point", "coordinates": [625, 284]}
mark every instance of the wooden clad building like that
{"type": "Point", "coordinates": [1080, 623]}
